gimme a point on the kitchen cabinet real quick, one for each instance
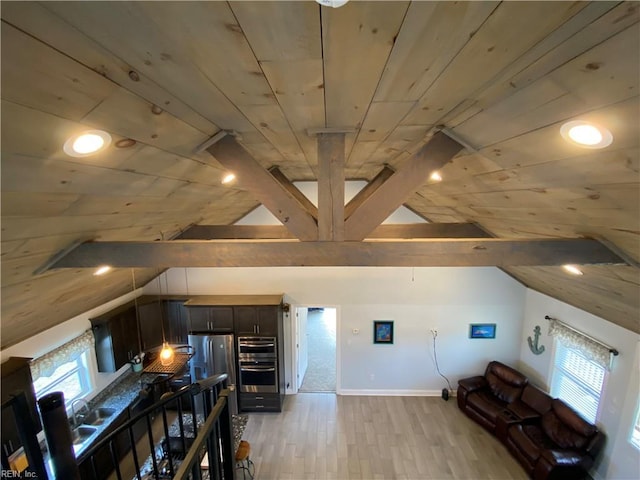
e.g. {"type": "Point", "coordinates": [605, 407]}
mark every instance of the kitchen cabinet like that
{"type": "Point", "coordinates": [210, 319]}
{"type": "Point", "coordinates": [178, 321]}
{"type": "Point", "coordinates": [117, 337]}
{"type": "Point", "coordinates": [16, 377]}
{"type": "Point", "coordinates": [152, 323]}
{"type": "Point", "coordinates": [156, 315]}
{"type": "Point", "coordinates": [260, 402]}
{"type": "Point", "coordinates": [260, 320]}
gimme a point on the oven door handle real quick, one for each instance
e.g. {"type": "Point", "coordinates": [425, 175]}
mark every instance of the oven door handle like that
{"type": "Point", "coordinates": [257, 369]}
{"type": "Point", "coordinates": [251, 345]}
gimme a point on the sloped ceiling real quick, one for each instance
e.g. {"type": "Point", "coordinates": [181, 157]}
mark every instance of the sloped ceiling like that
{"type": "Point", "coordinates": [169, 75]}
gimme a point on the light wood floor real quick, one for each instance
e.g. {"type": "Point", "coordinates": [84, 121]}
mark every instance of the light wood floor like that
{"type": "Point", "coordinates": [324, 436]}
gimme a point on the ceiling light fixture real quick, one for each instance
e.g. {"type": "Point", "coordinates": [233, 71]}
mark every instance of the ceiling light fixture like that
{"type": "Point", "coordinates": [102, 270]}
{"type": "Point", "coordinates": [87, 143]}
{"type": "Point", "coordinates": [572, 269]}
{"type": "Point", "coordinates": [436, 177]}
{"type": "Point", "coordinates": [228, 178]}
{"type": "Point", "coordinates": [586, 134]}
{"type": "Point", "coordinates": [332, 3]}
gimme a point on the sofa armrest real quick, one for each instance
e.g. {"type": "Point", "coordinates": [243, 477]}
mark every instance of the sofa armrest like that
{"type": "Point", "coordinates": [563, 458]}
{"type": "Point", "coordinates": [561, 464]}
{"type": "Point", "coordinates": [596, 444]}
{"type": "Point", "coordinates": [468, 385]}
{"type": "Point", "coordinates": [472, 384]}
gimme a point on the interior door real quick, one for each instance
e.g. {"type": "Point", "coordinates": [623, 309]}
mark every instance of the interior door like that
{"type": "Point", "coordinates": [302, 343]}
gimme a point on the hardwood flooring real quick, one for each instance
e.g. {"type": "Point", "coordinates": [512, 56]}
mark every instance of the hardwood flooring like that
{"type": "Point", "coordinates": [324, 436]}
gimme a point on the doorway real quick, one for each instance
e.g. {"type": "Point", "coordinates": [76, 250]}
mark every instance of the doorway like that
{"type": "Point", "coordinates": [316, 339]}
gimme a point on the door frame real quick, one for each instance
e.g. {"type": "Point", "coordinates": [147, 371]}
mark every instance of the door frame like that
{"type": "Point", "coordinates": [294, 347]}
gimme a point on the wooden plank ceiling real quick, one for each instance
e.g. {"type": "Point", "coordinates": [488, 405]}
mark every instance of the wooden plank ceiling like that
{"type": "Point", "coordinates": [169, 75]}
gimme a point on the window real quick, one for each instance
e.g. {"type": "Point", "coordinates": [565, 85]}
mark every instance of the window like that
{"type": "Point", "coordinates": [65, 369]}
{"type": "Point", "coordinates": [577, 381]}
{"type": "Point", "coordinates": [72, 378]}
{"type": "Point", "coordinates": [635, 433]}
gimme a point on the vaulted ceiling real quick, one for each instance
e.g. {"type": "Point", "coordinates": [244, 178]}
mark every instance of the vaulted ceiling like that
{"type": "Point", "coordinates": [501, 77]}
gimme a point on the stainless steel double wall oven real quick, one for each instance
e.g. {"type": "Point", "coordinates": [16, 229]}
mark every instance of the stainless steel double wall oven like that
{"type": "Point", "coordinates": [258, 364]}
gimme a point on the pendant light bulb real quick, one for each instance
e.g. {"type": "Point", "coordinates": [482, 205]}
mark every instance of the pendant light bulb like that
{"type": "Point", "coordinates": [167, 355]}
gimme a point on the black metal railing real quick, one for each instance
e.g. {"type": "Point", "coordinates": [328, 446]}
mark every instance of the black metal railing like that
{"type": "Point", "coordinates": [202, 426]}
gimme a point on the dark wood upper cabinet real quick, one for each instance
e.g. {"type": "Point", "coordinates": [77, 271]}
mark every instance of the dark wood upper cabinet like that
{"type": "Point", "coordinates": [257, 320]}
{"type": "Point", "coordinates": [153, 322]}
{"type": "Point", "coordinates": [117, 338]}
{"type": "Point", "coordinates": [210, 319]}
{"type": "Point", "coordinates": [178, 321]}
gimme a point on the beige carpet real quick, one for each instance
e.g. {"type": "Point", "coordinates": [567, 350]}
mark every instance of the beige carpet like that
{"type": "Point", "coordinates": [321, 372]}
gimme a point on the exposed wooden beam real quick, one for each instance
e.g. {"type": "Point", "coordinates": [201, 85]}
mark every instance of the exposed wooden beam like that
{"type": "Point", "coordinates": [366, 192]}
{"type": "Point", "coordinates": [270, 192]}
{"type": "Point", "coordinates": [422, 253]}
{"type": "Point", "coordinates": [386, 231]}
{"type": "Point", "coordinates": [395, 191]}
{"type": "Point", "coordinates": [331, 186]}
{"type": "Point", "coordinates": [294, 191]}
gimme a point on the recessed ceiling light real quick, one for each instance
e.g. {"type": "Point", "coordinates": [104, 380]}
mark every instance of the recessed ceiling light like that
{"type": "Point", "coordinates": [87, 143]}
{"type": "Point", "coordinates": [586, 134]}
{"type": "Point", "coordinates": [228, 178]}
{"type": "Point", "coordinates": [332, 3]}
{"type": "Point", "coordinates": [102, 270]}
{"type": "Point", "coordinates": [436, 177]}
{"type": "Point", "coordinates": [572, 269]}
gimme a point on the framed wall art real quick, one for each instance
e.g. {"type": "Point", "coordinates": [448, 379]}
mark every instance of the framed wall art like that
{"type": "Point", "coordinates": [383, 331]}
{"type": "Point", "coordinates": [482, 330]}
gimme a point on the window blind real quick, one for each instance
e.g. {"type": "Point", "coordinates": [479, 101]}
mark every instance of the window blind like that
{"type": "Point", "coordinates": [577, 381]}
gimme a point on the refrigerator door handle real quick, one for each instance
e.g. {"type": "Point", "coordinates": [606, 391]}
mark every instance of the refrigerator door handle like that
{"type": "Point", "coordinates": [205, 351]}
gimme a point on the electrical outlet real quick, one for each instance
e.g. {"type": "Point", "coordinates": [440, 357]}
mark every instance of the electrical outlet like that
{"type": "Point", "coordinates": [434, 332]}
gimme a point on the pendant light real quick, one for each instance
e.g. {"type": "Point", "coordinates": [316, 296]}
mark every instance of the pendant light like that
{"type": "Point", "coordinates": [135, 307]}
{"type": "Point", "coordinates": [167, 355]}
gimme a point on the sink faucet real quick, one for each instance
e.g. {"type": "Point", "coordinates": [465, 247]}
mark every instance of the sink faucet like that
{"type": "Point", "coordinates": [75, 414]}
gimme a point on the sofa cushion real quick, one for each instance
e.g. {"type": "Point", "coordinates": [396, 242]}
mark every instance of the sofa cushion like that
{"type": "Point", "coordinates": [565, 427]}
{"type": "Point", "coordinates": [572, 419]}
{"type": "Point", "coordinates": [505, 382]}
{"type": "Point", "coordinates": [528, 440]}
{"type": "Point", "coordinates": [536, 399]}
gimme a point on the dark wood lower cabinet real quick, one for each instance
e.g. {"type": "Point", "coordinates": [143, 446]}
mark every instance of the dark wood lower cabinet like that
{"type": "Point", "coordinates": [260, 402]}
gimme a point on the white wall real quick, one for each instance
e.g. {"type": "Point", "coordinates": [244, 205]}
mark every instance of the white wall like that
{"type": "Point", "coordinates": [620, 460]}
{"type": "Point", "coordinates": [415, 299]}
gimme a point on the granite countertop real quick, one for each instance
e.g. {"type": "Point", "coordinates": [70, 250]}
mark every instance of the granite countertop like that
{"type": "Point", "coordinates": [118, 396]}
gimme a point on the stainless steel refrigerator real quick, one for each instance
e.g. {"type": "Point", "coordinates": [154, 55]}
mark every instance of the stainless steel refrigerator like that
{"type": "Point", "coordinates": [214, 354]}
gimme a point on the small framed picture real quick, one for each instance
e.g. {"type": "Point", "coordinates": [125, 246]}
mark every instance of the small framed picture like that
{"type": "Point", "coordinates": [383, 331]}
{"type": "Point", "coordinates": [482, 330]}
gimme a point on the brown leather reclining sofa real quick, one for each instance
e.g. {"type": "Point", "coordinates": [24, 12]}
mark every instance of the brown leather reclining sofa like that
{"type": "Point", "coordinates": [548, 438]}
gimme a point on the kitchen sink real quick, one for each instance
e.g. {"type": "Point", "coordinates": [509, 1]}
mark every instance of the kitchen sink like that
{"type": "Point", "coordinates": [98, 416]}
{"type": "Point", "coordinates": [81, 434]}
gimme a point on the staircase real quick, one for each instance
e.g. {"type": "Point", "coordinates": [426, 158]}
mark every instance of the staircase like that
{"type": "Point", "coordinates": [188, 435]}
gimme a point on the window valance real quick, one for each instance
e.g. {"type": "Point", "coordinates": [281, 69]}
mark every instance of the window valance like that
{"type": "Point", "coordinates": [591, 348]}
{"type": "Point", "coordinates": [45, 365]}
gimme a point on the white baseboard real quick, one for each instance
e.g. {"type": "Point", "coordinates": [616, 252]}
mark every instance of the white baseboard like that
{"type": "Point", "coordinates": [394, 393]}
